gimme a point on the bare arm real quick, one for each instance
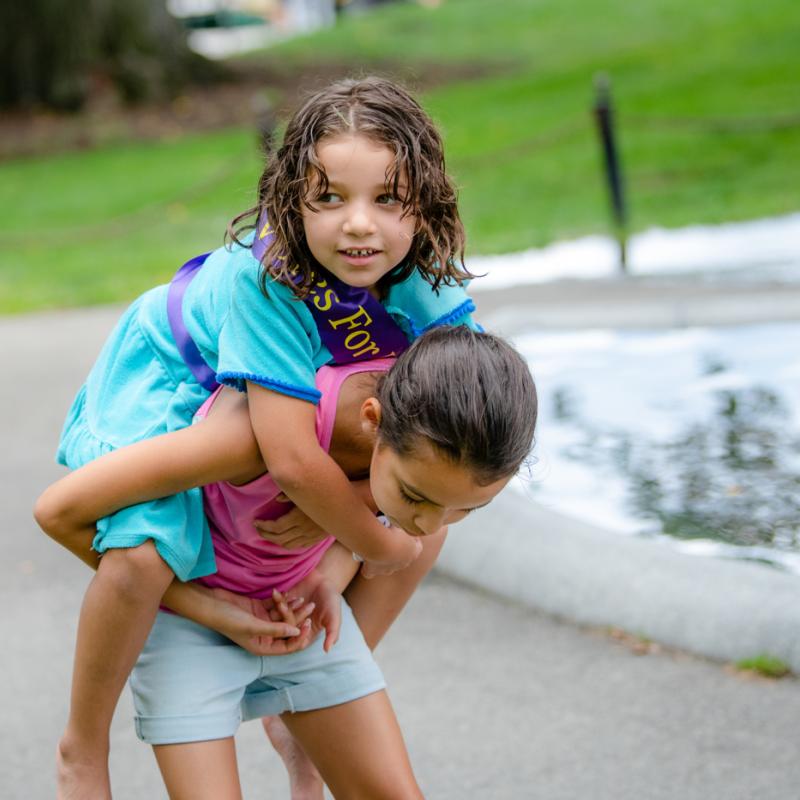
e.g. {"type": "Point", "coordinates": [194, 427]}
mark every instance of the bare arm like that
{"type": "Point", "coordinates": [284, 430]}
{"type": "Point", "coordinates": [220, 447]}
{"type": "Point", "coordinates": [377, 602]}
{"type": "Point", "coordinates": [296, 529]}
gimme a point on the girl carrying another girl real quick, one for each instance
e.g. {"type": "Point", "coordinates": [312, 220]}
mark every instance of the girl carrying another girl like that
{"type": "Point", "coordinates": [354, 254]}
{"type": "Point", "coordinates": [440, 435]}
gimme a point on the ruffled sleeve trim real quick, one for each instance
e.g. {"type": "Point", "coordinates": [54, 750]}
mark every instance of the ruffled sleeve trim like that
{"type": "Point", "coordinates": [238, 380]}
{"type": "Point", "coordinates": [467, 307]}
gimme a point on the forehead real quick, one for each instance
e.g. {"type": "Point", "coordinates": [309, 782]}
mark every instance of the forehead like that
{"type": "Point", "coordinates": [349, 157]}
{"type": "Point", "coordinates": [441, 480]}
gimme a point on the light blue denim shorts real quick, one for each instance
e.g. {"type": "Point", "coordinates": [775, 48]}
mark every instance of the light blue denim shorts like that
{"type": "Point", "coordinates": [192, 684]}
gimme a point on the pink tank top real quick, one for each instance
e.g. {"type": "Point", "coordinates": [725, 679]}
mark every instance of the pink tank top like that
{"type": "Point", "coordinates": [246, 563]}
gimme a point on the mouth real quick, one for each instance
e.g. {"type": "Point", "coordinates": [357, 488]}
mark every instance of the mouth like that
{"type": "Point", "coordinates": [359, 254]}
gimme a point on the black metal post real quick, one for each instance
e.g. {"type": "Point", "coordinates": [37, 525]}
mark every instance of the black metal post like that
{"type": "Point", "coordinates": [604, 117]}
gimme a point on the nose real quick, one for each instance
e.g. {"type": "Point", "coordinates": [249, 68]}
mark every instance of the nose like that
{"type": "Point", "coordinates": [358, 221]}
{"type": "Point", "coordinates": [430, 520]}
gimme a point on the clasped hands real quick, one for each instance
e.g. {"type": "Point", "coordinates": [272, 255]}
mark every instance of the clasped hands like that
{"type": "Point", "coordinates": [311, 606]}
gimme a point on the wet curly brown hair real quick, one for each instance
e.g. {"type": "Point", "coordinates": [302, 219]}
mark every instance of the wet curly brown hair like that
{"type": "Point", "coordinates": [386, 113]}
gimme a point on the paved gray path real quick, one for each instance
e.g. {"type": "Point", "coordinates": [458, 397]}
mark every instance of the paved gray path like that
{"type": "Point", "coordinates": [496, 701]}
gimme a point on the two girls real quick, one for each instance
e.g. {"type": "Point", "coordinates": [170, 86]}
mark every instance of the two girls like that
{"type": "Point", "coordinates": [440, 435]}
{"type": "Point", "coordinates": [355, 253]}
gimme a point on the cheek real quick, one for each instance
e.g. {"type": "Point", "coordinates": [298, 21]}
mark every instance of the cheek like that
{"type": "Point", "coordinates": [316, 226]}
{"type": "Point", "coordinates": [308, 227]}
{"type": "Point", "coordinates": [387, 499]}
{"type": "Point", "coordinates": [377, 485]}
{"type": "Point", "coordinates": [407, 229]}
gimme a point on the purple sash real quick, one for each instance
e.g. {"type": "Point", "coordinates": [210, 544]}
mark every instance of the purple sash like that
{"type": "Point", "coordinates": [186, 347]}
{"type": "Point", "coordinates": [352, 324]}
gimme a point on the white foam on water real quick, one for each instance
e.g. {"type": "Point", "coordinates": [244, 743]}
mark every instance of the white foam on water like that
{"type": "Point", "coordinates": [759, 249]}
{"type": "Point", "coordinates": [650, 384]}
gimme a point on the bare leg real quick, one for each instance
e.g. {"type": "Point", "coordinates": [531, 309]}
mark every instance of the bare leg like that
{"type": "Point", "coordinates": [305, 782]}
{"type": "Point", "coordinates": [200, 770]}
{"type": "Point", "coordinates": [358, 748]}
{"type": "Point", "coordinates": [376, 604]}
{"type": "Point", "coordinates": [116, 617]}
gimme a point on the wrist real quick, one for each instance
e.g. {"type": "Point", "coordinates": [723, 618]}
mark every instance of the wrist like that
{"type": "Point", "coordinates": [190, 601]}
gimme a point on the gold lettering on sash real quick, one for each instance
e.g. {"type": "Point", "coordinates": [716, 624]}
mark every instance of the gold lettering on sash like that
{"type": "Point", "coordinates": [361, 335]}
{"type": "Point", "coordinates": [326, 301]}
{"type": "Point", "coordinates": [370, 348]}
{"type": "Point", "coordinates": [352, 320]}
{"type": "Point", "coordinates": [359, 339]}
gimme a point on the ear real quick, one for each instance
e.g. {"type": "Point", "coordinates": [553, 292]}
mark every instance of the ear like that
{"type": "Point", "coordinates": [370, 416]}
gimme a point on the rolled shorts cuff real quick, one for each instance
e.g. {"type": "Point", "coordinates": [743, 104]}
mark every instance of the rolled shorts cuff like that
{"type": "Point", "coordinates": [310, 698]}
{"type": "Point", "coordinates": [190, 728]}
{"type": "Point", "coordinates": [192, 684]}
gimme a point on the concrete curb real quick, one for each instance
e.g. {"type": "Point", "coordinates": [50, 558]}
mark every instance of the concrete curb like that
{"type": "Point", "coordinates": [648, 302]}
{"type": "Point", "coordinates": [727, 610]}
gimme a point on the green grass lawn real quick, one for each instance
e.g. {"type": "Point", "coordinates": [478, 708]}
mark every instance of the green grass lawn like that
{"type": "Point", "coordinates": [708, 102]}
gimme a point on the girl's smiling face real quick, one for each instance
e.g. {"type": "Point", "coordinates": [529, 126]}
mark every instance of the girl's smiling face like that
{"type": "Point", "coordinates": [356, 228]}
{"type": "Point", "coordinates": [424, 490]}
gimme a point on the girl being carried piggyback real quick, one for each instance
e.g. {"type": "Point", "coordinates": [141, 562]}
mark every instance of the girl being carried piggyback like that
{"type": "Point", "coordinates": [354, 254]}
{"type": "Point", "coordinates": [439, 435]}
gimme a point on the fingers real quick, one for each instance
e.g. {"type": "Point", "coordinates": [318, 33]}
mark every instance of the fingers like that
{"type": "Point", "coordinates": [275, 630]}
{"type": "Point", "coordinates": [285, 630]}
{"type": "Point", "coordinates": [276, 526]}
{"type": "Point", "coordinates": [284, 607]}
{"type": "Point", "coordinates": [285, 534]}
{"type": "Point", "coordinates": [332, 627]}
{"type": "Point", "coordinates": [270, 646]}
{"type": "Point", "coordinates": [301, 610]}
{"type": "Point", "coordinates": [294, 611]}
{"type": "Point", "coordinates": [366, 571]}
{"type": "Point", "coordinates": [304, 612]}
{"type": "Point", "coordinates": [291, 541]}
{"type": "Point", "coordinates": [293, 529]}
{"type": "Point", "coordinates": [299, 642]}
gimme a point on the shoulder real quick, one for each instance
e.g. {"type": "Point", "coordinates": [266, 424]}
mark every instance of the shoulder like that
{"type": "Point", "coordinates": [234, 274]}
{"type": "Point", "coordinates": [416, 303]}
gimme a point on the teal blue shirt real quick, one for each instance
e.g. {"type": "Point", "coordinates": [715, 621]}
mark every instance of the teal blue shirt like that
{"type": "Point", "coordinates": [140, 387]}
{"type": "Point", "coordinates": [273, 340]}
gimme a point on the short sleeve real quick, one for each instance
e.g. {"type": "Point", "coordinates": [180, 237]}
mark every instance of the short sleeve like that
{"type": "Point", "coordinates": [268, 339]}
{"type": "Point", "coordinates": [417, 308]}
{"type": "Point", "coordinates": [462, 317]}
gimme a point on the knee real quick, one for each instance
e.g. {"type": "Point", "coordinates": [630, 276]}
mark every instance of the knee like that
{"type": "Point", "coordinates": [54, 515]}
{"type": "Point", "coordinates": [135, 571]}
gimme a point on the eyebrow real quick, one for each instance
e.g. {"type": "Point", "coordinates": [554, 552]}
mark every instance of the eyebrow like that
{"type": "Point", "coordinates": [409, 488]}
{"type": "Point", "coordinates": [401, 187]}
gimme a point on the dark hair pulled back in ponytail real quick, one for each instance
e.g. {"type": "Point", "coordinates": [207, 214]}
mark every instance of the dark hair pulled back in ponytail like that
{"type": "Point", "coordinates": [469, 394]}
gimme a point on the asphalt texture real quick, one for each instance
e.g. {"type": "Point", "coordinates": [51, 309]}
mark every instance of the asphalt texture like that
{"type": "Point", "coordinates": [496, 700]}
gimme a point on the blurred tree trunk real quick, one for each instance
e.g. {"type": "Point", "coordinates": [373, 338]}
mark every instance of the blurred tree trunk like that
{"type": "Point", "coordinates": [51, 50]}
